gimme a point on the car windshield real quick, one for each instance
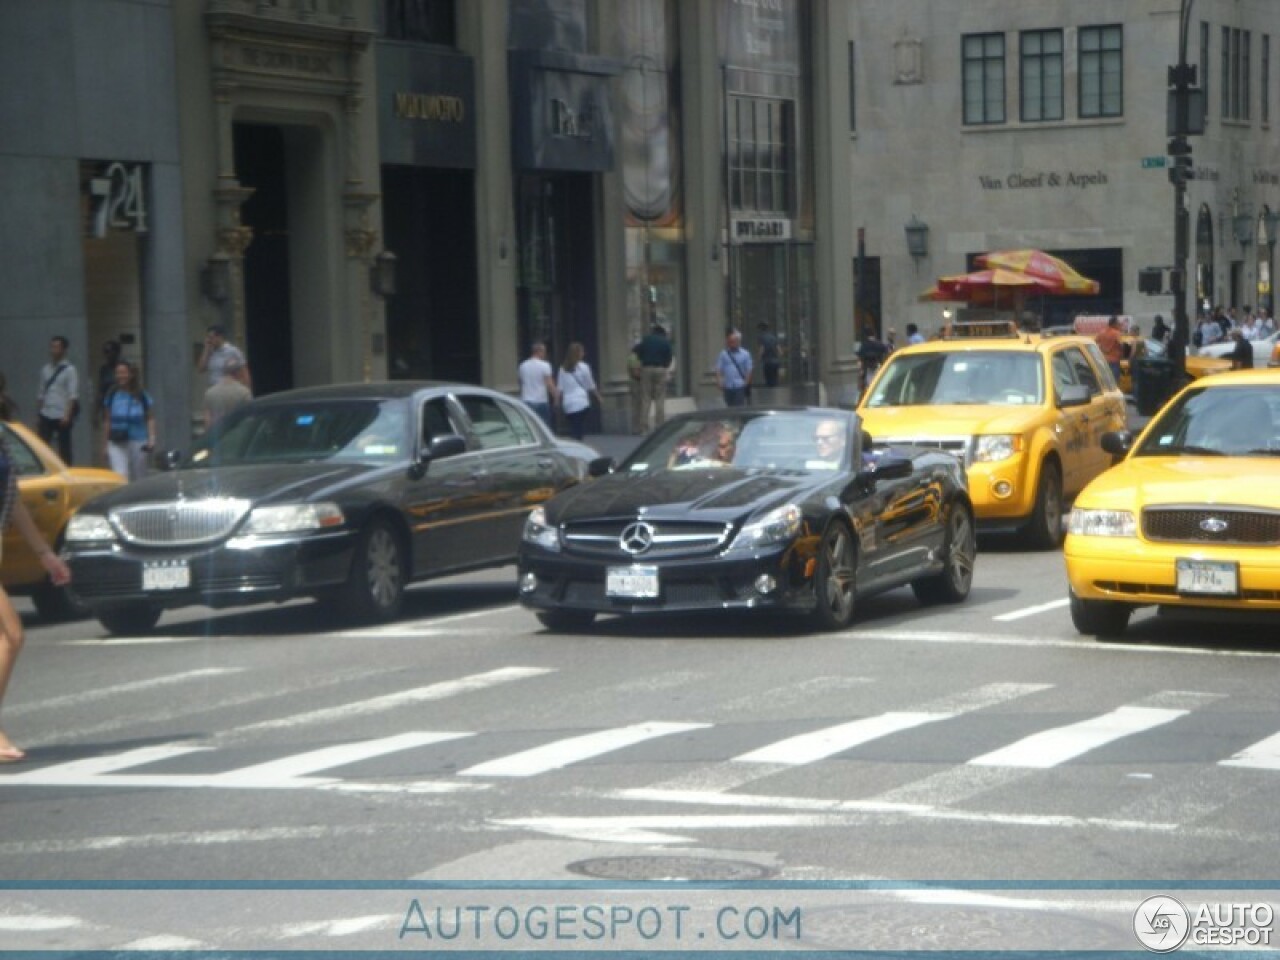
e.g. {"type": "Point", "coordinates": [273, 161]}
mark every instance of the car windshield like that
{"type": "Point", "coordinates": [991, 377]}
{"type": "Point", "coordinates": [791, 441]}
{"type": "Point", "coordinates": [1226, 421]}
{"type": "Point", "coordinates": [362, 431]}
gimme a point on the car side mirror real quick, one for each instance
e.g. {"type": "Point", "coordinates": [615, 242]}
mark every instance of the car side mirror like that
{"type": "Point", "coordinates": [888, 468]}
{"type": "Point", "coordinates": [169, 460]}
{"type": "Point", "coordinates": [1075, 395]}
{"type": "Point", "coordinates": [601, 467]}
{"type": "Point", "coordinates": [1117, 442]}
{"type": "Point", "coordinates": [440, 448]}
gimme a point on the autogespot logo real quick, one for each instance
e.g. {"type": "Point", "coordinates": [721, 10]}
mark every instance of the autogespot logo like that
{"type": "Point", "coordinates": [1161, 924]}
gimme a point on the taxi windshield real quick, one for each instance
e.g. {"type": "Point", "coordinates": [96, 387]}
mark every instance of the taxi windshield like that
{"type": "Point", "coordinates": [987, 377]}
{"type": "Point", "coordinates": [351, 430]}
{"type": "Point", "coordinates": [1234, 421]}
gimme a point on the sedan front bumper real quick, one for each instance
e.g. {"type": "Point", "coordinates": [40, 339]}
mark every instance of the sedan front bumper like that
{"type": "Point", "coordinates": [1137, 571]}
{"type": "Point", "coordinates": [558, 581]}
{"type": "Point", "coordinates": [229, 573]}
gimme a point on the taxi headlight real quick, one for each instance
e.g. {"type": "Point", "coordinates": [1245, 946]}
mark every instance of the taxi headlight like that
{"type": "Point", "coordinates": [996, 447]}
{"type": "Point", "coordinates": [89, 528]}
{"type": "Point", "coordinates": [537, 532]}
{"type": "Point", "coordinates": [776, 526]}
{"type": "Point", "coordinates": [292, 518]}
{"type": "Point", "coordinates": [1102, 523]}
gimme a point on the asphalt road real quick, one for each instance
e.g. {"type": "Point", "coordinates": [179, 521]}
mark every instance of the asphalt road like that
{"type": "Point", "coordinates": [980, 741]}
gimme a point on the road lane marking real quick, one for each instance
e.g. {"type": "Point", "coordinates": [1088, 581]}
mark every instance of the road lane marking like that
{"type": "Point", "coordinates": [647, 829]}
{"type": "Point", "coordinates": [1082, 644]}
{"type": "Point", "coordinates": [194, 838]}
{"type": "Point", "coordinates": [827, 742]}
{"type": "Point", "coordinates": [300, 764]}
{"type": "Point", "coordinates": [1052, 747]}
{"type": "Point", "coordinates": [412, 627]}
{"type": "Point", "coordinates": [561, 753]}
{"type": "Point", "coordinates": [130, 641]}
{"type": "Point", "coordinates": [103, 693]}
{"type": "Point", "coordinates": [80, 771]}
{"type": "Point", "coordinates": [1263, 755]}
{"type": "Point", "coordinates": [392, 701]}
{"type": "Point", "coordinates": [1032, 611]}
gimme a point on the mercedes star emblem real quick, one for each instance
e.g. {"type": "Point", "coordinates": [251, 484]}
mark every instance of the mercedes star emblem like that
{"type": "Point", "coordinates": [636, 538]}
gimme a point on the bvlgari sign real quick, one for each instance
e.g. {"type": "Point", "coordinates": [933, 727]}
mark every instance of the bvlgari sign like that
{"type": "Point", "coordinates": [759, 229]}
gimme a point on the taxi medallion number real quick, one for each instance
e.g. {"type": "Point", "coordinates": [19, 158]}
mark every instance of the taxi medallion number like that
{"type": "Point", "coordinates": [166, 576]}
{"type": "Point", "coordinates": [633, 582]}
{"type": "Point", "coordinates": [1208, 578]}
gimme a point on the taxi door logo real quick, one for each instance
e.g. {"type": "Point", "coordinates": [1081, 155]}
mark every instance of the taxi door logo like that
{"type": "Point", "coordinates": [1161, 924]}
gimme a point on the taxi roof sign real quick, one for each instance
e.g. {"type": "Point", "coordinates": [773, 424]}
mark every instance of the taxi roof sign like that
{"type": "Point", "coordinates": [983, 329]}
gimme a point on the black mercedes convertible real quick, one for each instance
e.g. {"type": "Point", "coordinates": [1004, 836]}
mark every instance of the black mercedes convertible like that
{"type": "Point", "coordinates": [749, 508]}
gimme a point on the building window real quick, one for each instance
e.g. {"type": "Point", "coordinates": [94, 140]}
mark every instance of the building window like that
{"type": "Point", "coordinates": [1204, 64]}
{"type": "Point", "coordinates": [1101, 71]}
{"type": "Point", "coordinates": [422, 21]}
{"type": "Point", "coordinates": [983, 55]}
{"type": "Point", "coordinates": [1264, 90]}
{"type": "Point", "coordinates": [760, 154]}
{"type": "Point", "coordinates": [1227, 113]}
{"type": "Point", "coordinates": [1041, 53]}
{"type": "Point", "coordinates": [1236, 73]}
{"type": "Point", "coordinates": [853, 91]}
{"type": "Point", "coordinates": [1246, 73]}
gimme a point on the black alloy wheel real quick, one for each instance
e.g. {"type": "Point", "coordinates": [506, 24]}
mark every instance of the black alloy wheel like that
{"type": "Point", "coordinates": [959, 549]}
{"type": "Point", "coordinates": [374, 591]}
{"type": "Point", "coordinates": [835, 582]}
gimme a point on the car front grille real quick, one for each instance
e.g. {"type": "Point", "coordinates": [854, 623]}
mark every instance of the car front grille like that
{"type": "Point", "coordinates": [182, 523]}
{"type": "Point", "coordinates": [1201, 525]}
{"type": "Point", "coordinates": [670, 538]}
{"type": "Point", "coordinates": [958, 447]}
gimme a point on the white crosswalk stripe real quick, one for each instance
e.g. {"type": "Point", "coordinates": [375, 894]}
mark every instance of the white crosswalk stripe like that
{"type": "Point", "coordinates": [561, 753]}
{"type": "Point", "coordinates": [1052, 747]}
{"type": "Point", "coordinates": [1263, 755]}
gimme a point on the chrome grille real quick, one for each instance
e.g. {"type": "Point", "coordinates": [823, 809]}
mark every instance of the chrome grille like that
{"type": "Point", "coordinates": [1201, 525]}
{"type": "Point", "coordinates": [671, 538]}
{"type": "Point", "coordinates": [958, 447]}
{"type": "Point", "coordinates": [181, 523]}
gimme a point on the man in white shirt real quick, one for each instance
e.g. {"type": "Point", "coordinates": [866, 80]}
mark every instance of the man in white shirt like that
{"type": "Point", "coordinates": [537, 384]}
{"type": "Point", "coordinates": [218, 354]}
{"type": "Point", "coordinates": [58, 400]}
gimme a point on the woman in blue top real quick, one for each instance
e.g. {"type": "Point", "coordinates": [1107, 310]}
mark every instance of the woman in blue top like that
{"type": "Point", "coordinates": [129, 424]}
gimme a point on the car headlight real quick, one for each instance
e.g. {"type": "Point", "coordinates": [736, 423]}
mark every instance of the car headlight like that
{"type": "Point", "coordinates": [996, 447]}
{"type": "Point", "coordinates": [537, 532]}
{"type": "Point", "coordinates": [1102, 523]}
{"type": "Point", "coordinates": [293, 518]}
{"type": "Point", "coordinates": [89, 528]}
{"type": "Point", "coordinates": [776, 526]}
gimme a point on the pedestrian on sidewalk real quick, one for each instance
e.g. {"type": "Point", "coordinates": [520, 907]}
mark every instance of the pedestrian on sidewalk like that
{"type": "Point", "coordinates": [58, 401]}
{"type": "Point", "coordinates": [1108, 341]}
{"type": "Point", "coordinates": [11, 633]}
{"type": "Point", "coordinates": [770, 354]}
{"type": "Point", "coordinates": [577, 389]}
{"type": "Point", "coordinates": [733, 371]}
{"type": "Point", "coordinates": [226, 395]}
{"type": "Point", "coordinates": [655, 355]}
{"type": "Point", "coordinates": [217, 353]}
{"type": "Point", "coordinates": [129, 433]}
{"type": "Point", "coordinates": [537, 383]}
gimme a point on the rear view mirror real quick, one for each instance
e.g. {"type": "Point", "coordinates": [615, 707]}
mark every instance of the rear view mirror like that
{"type": "Point", "coordinates": [1117, 442]}
{"type": "Point", "coordinates": [447, 445]}
{"type": "Point", "coordinates": [1073, 396]}
{"type": "Point", "coordinates": [601, 467]}
{"type": "Point", "coordinates": [169, 460]}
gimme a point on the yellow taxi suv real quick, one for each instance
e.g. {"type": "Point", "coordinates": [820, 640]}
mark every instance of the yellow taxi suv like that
{"type": "Point", "coordinates": [1024, 413]}
{"type": "Point", "coordinates": [1191, 517]}
{"type": "Point", "coordinates": [52, 492]}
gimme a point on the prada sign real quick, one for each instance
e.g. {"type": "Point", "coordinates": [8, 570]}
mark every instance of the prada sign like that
{"type": "Point", "coordinates": [562, 112]}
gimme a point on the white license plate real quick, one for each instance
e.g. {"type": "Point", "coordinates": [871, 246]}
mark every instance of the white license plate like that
{"type": "Point", "coordinates": [633, 582]}
{"type": "Point", "coordinates": [166, 576]}
{"type": "Point", "coordinates": [1208, 577]}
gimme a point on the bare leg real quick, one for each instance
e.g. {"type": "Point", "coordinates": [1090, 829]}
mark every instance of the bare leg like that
{"type": "Point", "coordinates": [11, 638]}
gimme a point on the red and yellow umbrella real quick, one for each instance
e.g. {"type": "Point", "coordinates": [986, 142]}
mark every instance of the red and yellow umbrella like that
{"type": "Point", "coordinates": [1058, 275]}
{"type": "Point", "coordinates": [986, 287]}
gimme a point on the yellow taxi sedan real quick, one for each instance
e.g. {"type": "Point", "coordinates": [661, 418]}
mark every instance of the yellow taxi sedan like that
{"type": "Point", "coordinates": [1024, 413]}
{"type": "Point", "coordinates": [52, 492]}
{"type": "Point", "coordinates": [1191, 517]}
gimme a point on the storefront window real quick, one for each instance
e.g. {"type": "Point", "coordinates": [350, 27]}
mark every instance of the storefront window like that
{"type": "Point", "coordinates": [1204, 258]}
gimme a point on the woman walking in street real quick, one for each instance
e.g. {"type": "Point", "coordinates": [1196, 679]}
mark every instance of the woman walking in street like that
{"type": "Point", "coordinates": [129, 424]}
{"type": "Point", "coordinates": [11, 635]}
{"type": "Point", "coordinates": [577, 387]}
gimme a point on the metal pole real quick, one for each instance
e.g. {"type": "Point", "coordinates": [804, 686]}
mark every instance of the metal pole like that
{"type": "Point", "coordinates": [1180, 147]}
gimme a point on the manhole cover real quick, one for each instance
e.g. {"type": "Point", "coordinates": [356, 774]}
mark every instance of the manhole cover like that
{"type": "Point", "coordinates": [670, 868]}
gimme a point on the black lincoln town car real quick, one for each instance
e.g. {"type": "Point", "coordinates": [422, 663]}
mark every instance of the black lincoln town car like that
{"type": "Point", "coordinates": [752, 508]}
{"type": "Point", "coordinates": [344, 493]}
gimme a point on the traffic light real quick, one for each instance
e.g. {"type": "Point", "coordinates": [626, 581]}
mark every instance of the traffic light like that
{"type": "Point", "coordinates": [1180, 170]}
{"type": "Point", "coordinates": [1151, 280]}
